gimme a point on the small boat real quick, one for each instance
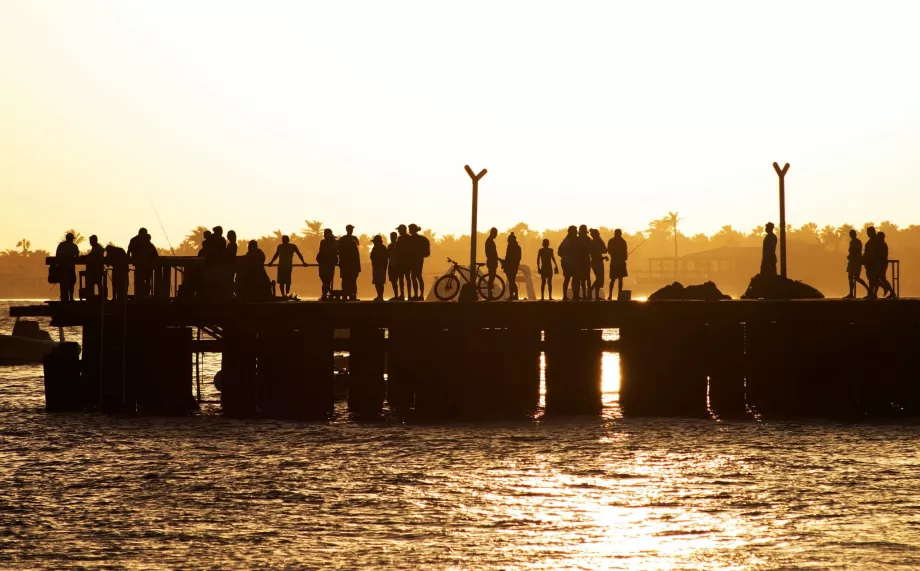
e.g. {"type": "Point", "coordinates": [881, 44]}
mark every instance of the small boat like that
{"type": "Point", "coordinates": [27, 345]}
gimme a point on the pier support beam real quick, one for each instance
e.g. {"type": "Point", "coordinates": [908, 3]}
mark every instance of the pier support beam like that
{"type": "Point", "coordinates": [295, 373]}
{"type": "Point", "coordinates": [573, 371]}
{"type": "Point", "coordinates": [238, 371]}
{"type": "Point", "coordinates": [725, 369]}
{"type": "Point", "coordinates": [409, 363]}
{"type": "Point", "coordinates": [663, 369]}
{"type": "Point", "coordinates": [366, 386]}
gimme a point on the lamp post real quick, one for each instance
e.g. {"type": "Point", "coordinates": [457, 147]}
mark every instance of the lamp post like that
{"type": "Point", "coordinates": [781, 173]}
{"type": "Point", "coordinates": [471, 295]}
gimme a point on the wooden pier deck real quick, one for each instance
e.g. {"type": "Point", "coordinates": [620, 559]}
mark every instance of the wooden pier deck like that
{"type": "Point", "coordinates": [732, 358]}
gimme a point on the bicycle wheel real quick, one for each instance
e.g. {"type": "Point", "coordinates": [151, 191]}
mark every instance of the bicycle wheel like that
{"type": "Point", "coordinates": [447, 287]}
{"type": "Point", "coordinates": [497, 290]}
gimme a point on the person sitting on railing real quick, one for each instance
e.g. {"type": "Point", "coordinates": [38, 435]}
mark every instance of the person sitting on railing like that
{"type": "Point", "coordinates": [66, 259]}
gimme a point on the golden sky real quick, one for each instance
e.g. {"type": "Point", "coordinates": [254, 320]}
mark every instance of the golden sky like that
{"type": "Point", "coordinates": [258, 115]}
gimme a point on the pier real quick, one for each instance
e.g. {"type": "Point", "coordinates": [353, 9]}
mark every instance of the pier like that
{"type": "Point", "coordinates": [727, 359]}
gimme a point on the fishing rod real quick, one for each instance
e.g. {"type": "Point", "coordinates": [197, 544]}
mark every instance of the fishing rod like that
{"type": "Point", "coordinates": [160, 222]}
{"type": "Point", "coordinates": [637, 247]}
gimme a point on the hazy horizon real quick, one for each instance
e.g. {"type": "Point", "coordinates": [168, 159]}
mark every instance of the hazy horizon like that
{"type": "Point", "coordinates": [257, 117]}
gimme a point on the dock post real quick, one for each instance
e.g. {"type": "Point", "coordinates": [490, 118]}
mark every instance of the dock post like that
{"type": "Point", "coordinates": [662, 364]}
{"type": "Point", "coordinates": [161, 366]}
{"type": "Point", "coordinates": [573, 371]}
{"type": "Point", "coordinates": [296, 373]}
{"type": "Point", "coordinates": [62, 379]}
{"type": "Point", "coordinates": [238, 371]}
{"type": "Point", "coordinates": [725, 368]}
{"type": "Point", "coordinates": [366, 357]}
{"type": "Point", "coordinates": [409, 362]}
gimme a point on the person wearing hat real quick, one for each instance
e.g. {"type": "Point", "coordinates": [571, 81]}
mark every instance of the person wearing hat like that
{"type": "Point", "coordinates": [404, 253]}
{"type": "Point", "coordinates": [326, 258]}
{"type": "Point", "coordinates": [379, 259]}
{"type": "Point", "coordinates": [421, 249]}
{"type": "Point", "coordinates": [349, 263]}
{"type": "Point", "coordinates": [66, 259]}
{"type": "Point", "coordinates": [768, 260]}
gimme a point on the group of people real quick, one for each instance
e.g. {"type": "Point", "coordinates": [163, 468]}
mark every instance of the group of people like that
{"type": "Point", "coordinates": [582, 252]}
{"type": "Point", "coordinates": [141, 253]}
{"type": "Point", "coordinates": [874, 258]}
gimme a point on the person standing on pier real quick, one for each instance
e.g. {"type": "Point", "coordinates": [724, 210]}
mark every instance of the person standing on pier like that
{"type": "Point", "coordinates": [421, 249]}
{"type": "Point", "coordinates": [95, 269]}
{"type": "Point", "coordinates": [546, 267]}
{"type": "Point", "coordinates": [66, 259]}
{"type": "Point", "coordinates": [583, 263]}
{"type": "Point", "coordinates": [349, 263]}
{"type": "Point", "coordinates": [284, 253]}
{"type": "Point", "coordinates": [380, 259]}
{"type": "Point", "coordinates": [871, 261]}
{"type": "Point", "coordinates": [598, 251]}
{"type": "Point", "coordinates": [854, 265]}
{"type": "Point", "coordinates": [327, 257]}
{"type": "Point", "coordinates": [393, 270]}
{"type": "Point", "coordinates": [511, 264]}
{"type": "Point", "coordinates": [567, 255]}
{"type": "Point", "coordinates": [254, 282]}
{"type": "Point", "coordinates": [616, 248]}
{"type": "Point", "coordinates": [881, 271]}
{"type": "Point", "coordinates": [768, 259]}
{"type": "Point", "coordinates": [117, 259]}
{"type": "Point", "coordinates": [491, 259]}
{"type": "Point", "coordinates": [142, 254]}
{"type": "Point", "coordinates": [230, 262]}
{"type": "Point", "coordinates": [404, 248]}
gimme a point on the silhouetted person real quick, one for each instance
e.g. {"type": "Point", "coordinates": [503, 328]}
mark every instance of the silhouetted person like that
{"type": "Point", "coordinates": [511, 265]}
{"type": "Point", "coordinates": [404, 253]}
{"type": "Point", "coordinates": [598, 249]}
{"type": "Point", "coordinates": [254, 284]}
{"type": "Point", "coordinates": [616, 249]}
{"type": "Point", "coordinates": [327, 257]}
{"type": "Point", "coordinates": [380, 259]}
{"type": "Point", "coordinates": [139, 254]}
{"type": "Point", "coordinates": [881, 256]}
{"type": "Point", "coordinates": [217, 250]}
{"type": "Point", "coordinates": [206, 243]}
{"type": "Point", "coordinates": [491, 260]}
{"type": "Point", "coordinates": [870, 260]}
{"type": "Point", "coordinates": [285, 256]}
{"type": "Point", "coordinates": [66, 259]}
{"type": "Point", "coordinates": [421, 249]}
{"type": "Point", "coordinates": [393, 269]}
{"type": "Point", "coordinates": [232, 246]}
{"type": "Point", "coordinates": [349, 263]}
{"type": "Point", "coordinates": [583, 263]}
{"type": "Point", "coordinates": [230, 261]}
{"type": "Point", "coordinates": [568, 254]}
{"type": "Point", "coordinates": [546, 267]}
{"type": "Point", "coordinates": [95, 269]}
{"type": "Point", "coordinates": [768, 259]}
{"type": "Point", "coordinates": [117, 259]}
{"type": "Point", "coordinates": [854, 265]}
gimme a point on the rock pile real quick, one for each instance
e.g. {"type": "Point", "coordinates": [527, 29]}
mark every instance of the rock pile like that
{"type": "Point", "coordinates": [776, 287]}
{"type": "Point", "coordinates": [705, 292]}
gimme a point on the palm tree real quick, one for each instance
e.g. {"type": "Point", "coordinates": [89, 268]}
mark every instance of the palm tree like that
{"type": "Point", "coordinates": [829, 235]}
{"type": "Point", "coordinates": [77, 237]}
{"type": "Point", "coordinates": [25, 245]}
{"type": "Point", "coordinates": [312, 228]}
{"type": "Point", "coordinates": [195, 239]}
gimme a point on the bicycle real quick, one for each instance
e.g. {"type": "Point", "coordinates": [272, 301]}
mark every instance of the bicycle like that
{"type": "Point", "coordinates": [448, 286]}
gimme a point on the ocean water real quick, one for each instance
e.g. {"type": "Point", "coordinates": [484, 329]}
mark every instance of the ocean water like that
{"type": "Point", "coordinates": [93, 491]}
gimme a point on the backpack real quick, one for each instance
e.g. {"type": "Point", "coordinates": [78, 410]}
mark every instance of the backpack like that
{"type": "Point", "coordinates": [425, 247]}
